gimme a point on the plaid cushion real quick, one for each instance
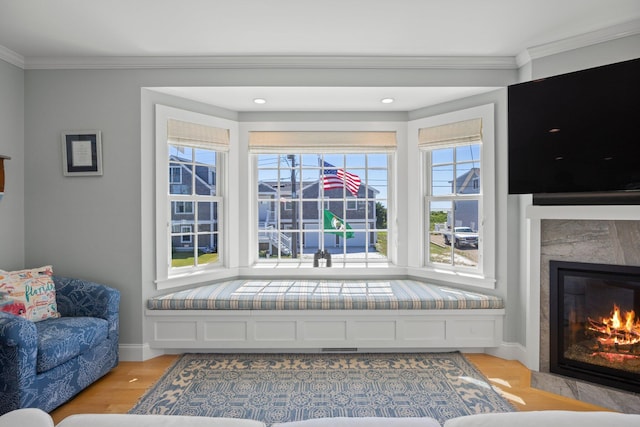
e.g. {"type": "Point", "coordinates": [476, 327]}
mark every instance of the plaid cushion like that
{"type": "Point", "coordinates": [323, 295]}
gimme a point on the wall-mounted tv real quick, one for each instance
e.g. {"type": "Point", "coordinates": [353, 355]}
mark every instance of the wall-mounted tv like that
{"type": "Point", "coordinates": [575, 138]}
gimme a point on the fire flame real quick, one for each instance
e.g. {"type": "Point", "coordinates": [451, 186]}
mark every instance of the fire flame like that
{"type": "Point", "coordinates": [617, 330]}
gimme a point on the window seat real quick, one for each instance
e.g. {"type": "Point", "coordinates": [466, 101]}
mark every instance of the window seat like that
{"type": "Point", "coordinates": [324, 315]}
{"type": "Point", "coordinates": [323, 295]}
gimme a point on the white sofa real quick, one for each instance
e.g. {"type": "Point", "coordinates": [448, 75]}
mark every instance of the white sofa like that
{"type": "Point", "coordinates": [30, 417]}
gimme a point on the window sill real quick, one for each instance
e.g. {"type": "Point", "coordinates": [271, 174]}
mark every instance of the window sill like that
{"type": "Point", "coordinates": [338, 270]}
{"type": "Point", "coordinates": [453, 277]}
{"type": "Point", "coordinates": [357, 271]}
{"type": "Point", "coordinates": [195, 278]}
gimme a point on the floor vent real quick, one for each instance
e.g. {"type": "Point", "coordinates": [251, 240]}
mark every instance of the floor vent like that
{"type": "Point", "coordinates": [340, 350]}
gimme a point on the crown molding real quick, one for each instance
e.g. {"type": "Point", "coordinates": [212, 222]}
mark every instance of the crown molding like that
{"type": "Point", "coordinates": [325, 62]}
{"type": "Point", "coordinates": [625, 29]}
{"type": "Point", "coordinates": [11, 57]}
{"type": "Point", "coordinates": [273, 62]}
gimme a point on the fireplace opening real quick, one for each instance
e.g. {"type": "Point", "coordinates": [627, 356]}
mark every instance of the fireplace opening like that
{"type": "Point", "coordinates": [595, 323]}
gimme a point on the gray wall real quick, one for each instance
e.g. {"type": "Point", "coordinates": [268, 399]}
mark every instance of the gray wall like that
{"type": "Point", "coordinates": [101, 228]}
{"type": "Point", "coordinates": [592, 56]}
{"type": "Point", "coordinates": [12, 248]}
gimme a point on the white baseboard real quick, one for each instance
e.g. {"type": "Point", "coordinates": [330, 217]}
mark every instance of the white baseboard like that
{"type": "Point", "coordinates": [138, 352]}
{"type": "Point", "coordinates": [506, 350]}
{"type": "Point", "coordinates": [509, 351]}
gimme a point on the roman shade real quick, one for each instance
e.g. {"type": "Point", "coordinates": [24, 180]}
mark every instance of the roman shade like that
{"type": "Point", "coordinates": [322, 142]}
{"type": "Point", "coordinates": [196, 135]}
{"type": "Point", "coordinates": [450, 134]}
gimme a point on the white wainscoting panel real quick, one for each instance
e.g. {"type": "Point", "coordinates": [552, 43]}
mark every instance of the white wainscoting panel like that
{"type": "Point", "coordinates": [324, 329]}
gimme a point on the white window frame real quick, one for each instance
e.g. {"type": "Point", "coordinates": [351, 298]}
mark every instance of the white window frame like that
{"type": "Point", "coordinates": [484, 275]}
{"type": "Point", "coordinates": [286, 269]}
{"type": "Point", "coordinates": [453, 197]}
{"type": "Point", "coordinates": [166, 275]}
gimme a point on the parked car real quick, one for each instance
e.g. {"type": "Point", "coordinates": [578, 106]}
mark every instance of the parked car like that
{"type": "Point", "coordinates": [462, 236]}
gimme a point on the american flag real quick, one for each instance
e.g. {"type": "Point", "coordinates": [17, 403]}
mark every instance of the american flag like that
{"type": "Point", "coordinates": [338, 178]}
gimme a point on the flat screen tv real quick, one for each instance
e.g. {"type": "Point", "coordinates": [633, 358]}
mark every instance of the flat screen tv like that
{"type": "Point", "coordinates": [575, 138]}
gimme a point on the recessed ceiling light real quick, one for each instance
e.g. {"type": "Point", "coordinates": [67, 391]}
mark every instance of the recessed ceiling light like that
{"type": "Point", "coordinates": [387, 100]}
{"type": "Point", "coordinates": [260, 101]}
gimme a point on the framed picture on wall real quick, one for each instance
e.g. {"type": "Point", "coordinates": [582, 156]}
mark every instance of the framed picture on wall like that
{"type": "Point", "coordinates": [81, 153]}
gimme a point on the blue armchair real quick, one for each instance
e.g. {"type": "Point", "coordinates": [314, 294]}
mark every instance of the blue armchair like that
{"type": "Point", "coordinates": [46, 363]}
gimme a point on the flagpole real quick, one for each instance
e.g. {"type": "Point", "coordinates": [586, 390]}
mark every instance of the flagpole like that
{"type": "Point", "coordinates": [320, 203]}
{"type": "Point", "coordinates": [294, 206]}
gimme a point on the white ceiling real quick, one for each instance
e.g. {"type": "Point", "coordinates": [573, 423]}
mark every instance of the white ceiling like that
{"type": "Point", "coordinates": [43, 33]}
{"type": "Point", "coordinates": [45, 28]}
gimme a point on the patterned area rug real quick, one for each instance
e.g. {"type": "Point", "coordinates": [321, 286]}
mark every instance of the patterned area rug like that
{"type": "Point", "coordinates": [291, 387]}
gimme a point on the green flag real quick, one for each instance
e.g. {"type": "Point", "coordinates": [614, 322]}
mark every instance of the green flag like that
{"type": "Point", "coordinates": [336, 225]}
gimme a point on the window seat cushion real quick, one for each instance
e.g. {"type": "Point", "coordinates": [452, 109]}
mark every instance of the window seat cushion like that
{"type": "Point", "coordinates": [324, 295]}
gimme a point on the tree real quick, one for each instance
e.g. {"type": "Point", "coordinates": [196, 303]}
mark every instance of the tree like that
{"type": "Point", "coordinates": [437, 217]}
{"type": "Point", "coordinates": [381, 216]}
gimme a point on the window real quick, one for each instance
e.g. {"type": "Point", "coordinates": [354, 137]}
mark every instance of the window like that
{"type": "Point", "coordinates": [336, 185]}
{"type": "Point", "coordinates": [195, 207]}
{"type": "Point", "coordinates": [453, 205]}
{"type": "Point", "coordinates": [318, 198]}
{"type": "Point", "coordinates": [186, 233]}
{"type": "Point", "coordinates": [191, 154]}
{"type": "Point", "coordinates": [175, 175]}
{"type": "Point", "coordinates": [459, 200]}
{"type": "Point", "coordinates": [183, 207]}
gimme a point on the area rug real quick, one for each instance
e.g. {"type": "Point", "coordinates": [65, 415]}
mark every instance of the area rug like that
{"type": "Point", "coordinates": [291, 387]}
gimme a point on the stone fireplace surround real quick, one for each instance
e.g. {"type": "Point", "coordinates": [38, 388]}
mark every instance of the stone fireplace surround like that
{"type": "Point", "coordinates": [597, 234]}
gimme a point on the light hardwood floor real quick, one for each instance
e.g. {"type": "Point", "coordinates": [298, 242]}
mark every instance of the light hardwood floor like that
{"type": "Point", "coordinates": [119, 390]}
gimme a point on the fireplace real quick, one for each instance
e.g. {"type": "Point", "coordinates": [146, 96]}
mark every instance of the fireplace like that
{"type": "Point", "coordinates": [595, 323]}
